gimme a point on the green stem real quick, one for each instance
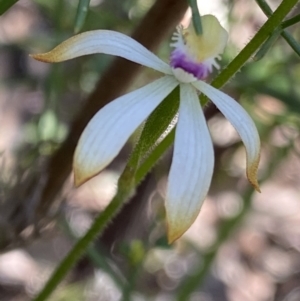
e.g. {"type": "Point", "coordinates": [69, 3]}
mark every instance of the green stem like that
{"type": "Point", "coordinates": [81, 14]}
{"type": "Point", "coordinates": [264, 7]}
{"type": "Point", "coordinates": [286, 35]}
{"type": "Point", "coordinates": [196, 16]}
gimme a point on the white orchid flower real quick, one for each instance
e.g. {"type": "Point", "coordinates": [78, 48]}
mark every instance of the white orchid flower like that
{"type": "Point", "coordinates": [192, 59]}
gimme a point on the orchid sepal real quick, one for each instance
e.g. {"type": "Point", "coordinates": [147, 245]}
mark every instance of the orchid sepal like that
{"type": "Point", "coordinates": [192, 165]}
{"type": "Point", "coordinates": [111, 127]}
{"type": "Point", "coordinates": [106, 42]}
{"type": "Point", "coordinates": [242, 123]}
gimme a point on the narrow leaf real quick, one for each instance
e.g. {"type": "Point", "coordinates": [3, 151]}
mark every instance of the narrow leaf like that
{"type": "Point", "coordinates": [290, 22]}
{"type": "Point", "coordinates": [196, 17]}
{"type": "Point", "coordinates": [82, 11]}
{"type": "Point", "coordinates": [267, 45]}
{"type": "Point", "coordinates": [291, 41]}
{"type": "Point", "coordinates": [155, 126]}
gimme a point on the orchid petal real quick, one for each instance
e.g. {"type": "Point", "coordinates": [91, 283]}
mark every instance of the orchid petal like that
{"type": "Point", "coordinates": [243, 124]}
{"type": "Point", "coordinates": [110, 128]}
{"type": "Point", "coordinates": [192, 165]}
{"type": "Point", "coordinates": [104, 41]}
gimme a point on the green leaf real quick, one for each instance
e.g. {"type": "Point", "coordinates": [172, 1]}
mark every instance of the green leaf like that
{"type": "Point", "coordinates": [152, 159]}
{"type": "Point", "coordinates": [267, 45]}
{"type": "Point", "coordinates": [291, 41]}
{"type": "Point", "coordinates": [154, 127]}
{"type": "Point", "coordinates": [5, 5]}
{"type": "Point", "coordinates": [290, 22]}
{"type": "Point", "coordinates": [82, 11]}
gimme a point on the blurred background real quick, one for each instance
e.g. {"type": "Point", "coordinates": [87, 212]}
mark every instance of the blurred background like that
{"type": "Point", "coordinates": [244, 246]}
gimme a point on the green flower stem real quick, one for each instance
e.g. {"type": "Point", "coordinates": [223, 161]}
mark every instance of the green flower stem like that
{"type": "Point", "coordinates": [286, 35]}
{"type": "Point", "coordinates": [129, 177]}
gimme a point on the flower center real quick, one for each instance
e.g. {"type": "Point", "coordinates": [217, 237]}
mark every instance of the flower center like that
{"type": "Point", "coordinates": [195, 56]}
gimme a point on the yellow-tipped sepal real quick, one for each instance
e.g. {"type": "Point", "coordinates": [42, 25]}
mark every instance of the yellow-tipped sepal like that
{"type": "Point", "coordinates": [107, 42]}
{"type": "Point", "coordinates": [110, 128]}
{"type": "Point", "coordinates": [192, 165]}
{"type": "Point", "coordinates": [243, 124]}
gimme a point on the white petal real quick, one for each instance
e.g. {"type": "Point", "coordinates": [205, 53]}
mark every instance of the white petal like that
{"type": "Point", "coordinates": [104, 41]}
{"type": "Point", "coordinates": [110, 128]}
{"type": "Point", "coordinates": [192, 165]}
{"type": "Point", "coordinates": [243, 124]}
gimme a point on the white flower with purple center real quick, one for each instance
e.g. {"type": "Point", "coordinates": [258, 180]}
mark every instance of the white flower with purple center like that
{"type": "Point", "coordinates": [191, 61]}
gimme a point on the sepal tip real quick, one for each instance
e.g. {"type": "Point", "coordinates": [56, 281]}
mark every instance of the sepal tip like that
{"type": "Point", "coordinates": [252, 174]}
{"type": "Point", "coordinates": [42, 57]}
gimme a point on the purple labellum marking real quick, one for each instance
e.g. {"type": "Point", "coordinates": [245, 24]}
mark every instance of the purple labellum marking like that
{"type": "Point", "coordinates": [179, 59]}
